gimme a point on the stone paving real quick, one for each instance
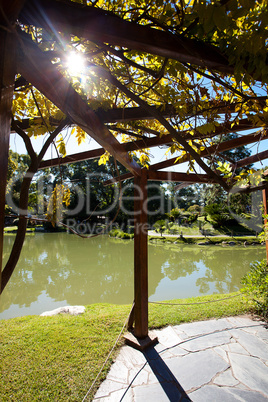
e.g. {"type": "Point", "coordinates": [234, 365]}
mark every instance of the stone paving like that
{"type": "Point", "coordinates": [217, 360]}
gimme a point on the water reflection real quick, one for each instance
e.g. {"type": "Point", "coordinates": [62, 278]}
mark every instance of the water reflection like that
{"type": "Point", "coordinates": [57, 269]}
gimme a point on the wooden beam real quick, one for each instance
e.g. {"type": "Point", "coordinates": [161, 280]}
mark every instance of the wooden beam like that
{"type": "Point", "coordinates": [131, 114]}
{"type": "Point", "coordinates": [120, 115]}
{"type": "Point", "coordinates": [154, 175]}
{"type": "Point", "coordinates": [95, 24]}
{"type": "Point", "coordinates": [34, 66]}
{"type": "Point", "coordinates": [81, 156]}
{"type": "Point", "coordinates": [140, 256]}
{"type": "Point", "coordinates": [138, 113]}
{"type": "Point", "coordinates": [24, 124]}
{"type": "Point", "coordinates": [250, 159]}
{"type": "Point", "coordinates": [9, 11]}
{"type": "Point", "coordinates": [179, 177]}
{"type": "Point", "coordinates": [217, 148]}
{"type": "Point", "coordinates": [96, 153]}
{"type": "Point", "coordinates": [137, 145]}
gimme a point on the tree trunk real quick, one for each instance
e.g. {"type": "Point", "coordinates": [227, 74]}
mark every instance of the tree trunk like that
{"type": "Point", "coordinates": [22, 226]}
{"type": "Point", "coordinates": [7, 76]}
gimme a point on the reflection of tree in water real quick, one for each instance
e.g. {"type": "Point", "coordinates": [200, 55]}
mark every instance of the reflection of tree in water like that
{"type": "Point", "coordinates": [181, 260]}
{"type": "Point", "coordinates": [85, 271]}
{"type": "Point", "coordinates": [39, 257]}
{"type": "Point", "coordinates": [225, 267]}
{"type": "Point", "coordinates": [81, 271]}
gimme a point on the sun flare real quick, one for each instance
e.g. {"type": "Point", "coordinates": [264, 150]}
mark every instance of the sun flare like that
{"type": "Point", "coordinates": [75, 64]}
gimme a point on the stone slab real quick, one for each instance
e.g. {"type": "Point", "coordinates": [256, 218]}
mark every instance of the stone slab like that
{"type": "Point", "coordinates": [204, 327]}
{"type": "Point", "coordinates": [251, 371]}
{"type": "Point", "coordinates": [120, 395]}
{"type": "Point", "coordinates": [245, 321]}
{"type": "Point", "coordinates": [131, 357]}
{"type": "Point", "coordinates": [196, 369]}
{"type": "Point", "coordinates": [237, 348]}
{"type": "Point", "coordinates": [226, 379]}
{"type": "Point", "coordinates": [210, 393]}
{"type": "Point", "coordinates": [206, 341]}
{"type": "Point", "coordinates": [108, 387]}
{"type": "Point", "coordinates": [168, 337]}
{"type": "Point", "coordinates": [118, 372]}
{"type": "Point", "coordinates": [254, 345]}
{"type": "Point", "coordinates": [157, 392]}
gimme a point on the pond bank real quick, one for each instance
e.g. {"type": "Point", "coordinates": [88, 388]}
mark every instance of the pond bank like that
{"type": "Point", "coordinates": [207, 241]}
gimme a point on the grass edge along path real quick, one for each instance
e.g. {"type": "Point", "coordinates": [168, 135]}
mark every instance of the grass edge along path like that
{"type": "Point", "coordinates": [58, 357]}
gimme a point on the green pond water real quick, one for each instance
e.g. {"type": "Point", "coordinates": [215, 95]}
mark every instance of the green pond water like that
{"type": "Point", "coordinates": [58, 269]}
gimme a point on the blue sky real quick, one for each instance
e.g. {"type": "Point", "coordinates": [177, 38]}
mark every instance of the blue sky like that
{"type": "Point", "coordinates": [17, 145]}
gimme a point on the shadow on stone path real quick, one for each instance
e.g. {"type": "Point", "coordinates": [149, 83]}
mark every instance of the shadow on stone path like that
{"type": "Point", "coordinates": [216, 360]}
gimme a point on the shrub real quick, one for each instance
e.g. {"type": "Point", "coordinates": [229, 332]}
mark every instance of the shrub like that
{"type": "Point", "coordinates": [256, 286]}
{"type": "Point", "coordinates": [120, 234]}
{"type": "Point", "coordinates": [217, 214]}
{"type": "Point", "coordinates": [160, 226]}
{"type": "Point", "coordinates": [114, 232]}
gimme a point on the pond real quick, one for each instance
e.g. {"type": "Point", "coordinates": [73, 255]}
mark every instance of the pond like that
{"type": "Point", "coordinates": [58, 269]}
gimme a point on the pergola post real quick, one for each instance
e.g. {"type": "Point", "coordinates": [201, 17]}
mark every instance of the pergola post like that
{"type": "Point", "coordinates": [265, 211]}
{"type": "Point", "coordinates": [7, 76]}
{"type": "Point", "coordinates": [139, 338]}
{"type": "Point", "coordinates": [140, 256]}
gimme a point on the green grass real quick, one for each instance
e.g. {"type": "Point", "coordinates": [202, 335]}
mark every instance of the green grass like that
{"type": "Point", "coordinates": [57, 358]}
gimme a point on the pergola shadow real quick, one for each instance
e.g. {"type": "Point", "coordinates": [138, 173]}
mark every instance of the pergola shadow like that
{"type": "Point", "coordinates": [166, 379]}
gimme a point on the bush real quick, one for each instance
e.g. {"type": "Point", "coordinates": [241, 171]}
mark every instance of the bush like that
{"type": "Point", "coordinates": [218, 214]}
{"type": "Point", "coordinates": [120, 234]}
{"type": "Point", "coordinates": [256, 286]}
{"type": "Point", "coordinates": [160, 226]}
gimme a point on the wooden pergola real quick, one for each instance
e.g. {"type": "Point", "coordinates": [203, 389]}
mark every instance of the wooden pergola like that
{"type": "Point", "coordinates": [21, 55]}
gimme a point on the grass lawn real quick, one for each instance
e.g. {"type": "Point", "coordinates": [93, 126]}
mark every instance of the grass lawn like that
{"type": "Point", "coordinates": [57, 358]}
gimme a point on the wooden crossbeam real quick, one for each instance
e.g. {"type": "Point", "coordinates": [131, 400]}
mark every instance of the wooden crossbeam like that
{"type": "Point", "coordinates": [37, 69]}
{"type": "Point", "coordinates": [24, 124]}
{"type": "Point", "coordinates": [166, 176]}
{"type": "Point", "coordinates": [179, 177]}
{"type": "Point", "coordinates": [96, 24]}
{"type": "Point", "coordinates": [79, 157]}
{"type": "Point", "coordinates": [217, 148]}
{"type": "Point", "coordinates": [250, 159]}
{"type": "Point", "coordinates": [142, 144]}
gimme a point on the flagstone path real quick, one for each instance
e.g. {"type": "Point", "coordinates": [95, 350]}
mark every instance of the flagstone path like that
{"type": "Point", "coordinates": [217, 360]}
